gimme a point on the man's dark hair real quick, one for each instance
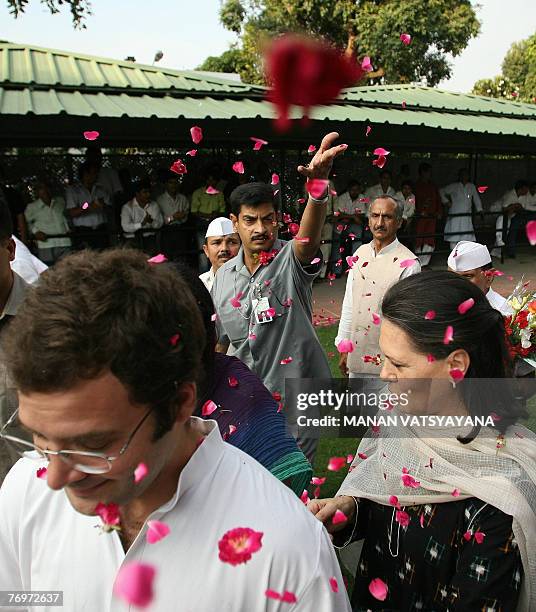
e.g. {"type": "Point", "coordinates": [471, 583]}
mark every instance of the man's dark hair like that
{"type": "Point", "coordinates": [407, 182]}
{"type": "Point", "coordinates": [110, 311]}
{"type": "Point", "coordinates": [385, 173]}
{"type": "Point", "coordinates": [353, 183]}
{"type": "Point", "coordinates": [251, 194]}
{"type": "Point", "coordinates": [480, 332]}
{"type": "Point", "coordinates": [86, 167]}
{"type": "Point", "coordinates": [521, 184]}
{"type": "Point", "coordinates": [424, 167]}
{"type": "Point", "coordinates": [142, 184]}
{"type": "Point", "coordinates": [6, 222]}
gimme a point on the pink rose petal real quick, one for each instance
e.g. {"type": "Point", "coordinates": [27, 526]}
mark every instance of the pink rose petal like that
{"type": "Point", "coordinates": [430, 358]}
{"type": "Point", "coordinates": [465, 306]}
{"type": "Point", "coordinates": [108, 513]}
{"type": "Point", "coordinates": [140, 472]}
{"type": "Point", "coordinates": [449, 335]}
{"type": "Point", "coordinates": [316, 480]}
{"type": "Point", "coordinates": [421, 520]}
{"type": "Point", "coordinates": [334, 584]}
{"type": "Point", "coordinates": [482, 189]}
{"type": "Point", "coordinates": [366, 65]}
{"type": "Point", "coordinates": [259, 142]}
{"type": "Point", "coordinates": [285, 360]}
{"type": "Point", "coordinates": [409, 481]}
{"type": "Point", "coordinates": [378, 589]}
{"type": "Point", "coordinates": [531, 232]}
{"type": "Point", "coordinates": [232, 381]}
{"type": "Point", "coordinates": [336, 463]}
{"type": "Point", "coordinates": [191, 152]}
{"type": "Point", "coordinates": [211, 190]}
{"type": "Point", "coordinates": [238, 545]}
{"type": "Point", "coordinates": [311, 149]}
{"type": "Point", "coordinates": [316, 260]}
{"type": "Point", "coordinates": [305, 496]}
{"type": "Point", "coordinates": [174, 339]}
{"type": "Point", "coordinates": [287, 596]}
{"type": "Point", "coordinates": [316, 188]}
{"type": "Point", "coordinates": [381, 151]}
{"type": "Point", "coordinates": [405, 38]}
{"type": "Point", "coordinates": [351, 260]}
{"type": "Point", "coordinates": [275, 179]}
{"type": "Point", "coordinates": [85, 206]}
{"type": "Point", "coordinates": [214, 317]}
{"type": "Point", "coordinates": [91, 135]}
{"type": "Point", "coordinates": [349, 458]}
{"type": "Point", "coordinates": [376, 319]}
{"type": "Point", "coordinates": [156, 531]}
{"type": "Point", "coordinates": [407, 263]}
{"type": "Point", "coordinates": [134, 583]}
{"type": "Point", "coordinates": [393, 500]}
{"type": "Point", "coordinates": [339, 517]}
{"type": "Point", "coordinates": [456, 493]}
{"type": "Point", "coordinates": [208, 408]}
{"type": "Point", "coordinates": [456, 375]}
{"type": "Point", "coordinates": [345, 346]}
{"type": "Point", "coordinates": [196, 133]}
{"type": "Point", "coordinates": [362, 456]}
{"type": "Point", "coordinates": [402, 517]}
{"type": "Point", "coordinates": [368, 130]}
{"type": "Point", "coordinates": [479, 537]}
{"type": "Point", "coordinates": [467, 536]}
{"type": "Point", "coordinates": [232, 429]}
{"type": "Point", "coordinates": [430, 315]}
{"type": "Point", "coordinates": [178, 167]}
{"type": "Point", "coordinates": [380, 161]}
{"type": "Point", "coordinates": [157, 259]}
{"type": "Point", "coordinates": [238, 167]}
{"type": "Point", "coordinates": [41, 473]}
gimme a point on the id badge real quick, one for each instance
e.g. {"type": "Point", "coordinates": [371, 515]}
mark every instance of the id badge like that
{"type": "Point", "coordinates": [260, 307]}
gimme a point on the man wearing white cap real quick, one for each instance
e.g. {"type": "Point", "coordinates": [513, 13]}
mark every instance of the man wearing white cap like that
{"type": "Point", "coordinates": [221, 244]}
{"type": "Point", "coordinates": [472, 261]}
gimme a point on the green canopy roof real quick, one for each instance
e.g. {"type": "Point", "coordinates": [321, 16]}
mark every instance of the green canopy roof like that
{"type": "Point", "coordinates": [50, 97]}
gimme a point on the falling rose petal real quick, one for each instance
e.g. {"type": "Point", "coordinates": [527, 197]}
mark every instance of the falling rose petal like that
{"type": "Point", "coordinates": [156, 531]}
{"type": "Point", "coordinates": [378, 589]}
{"type": "Point", "coordinates": [339, 517]}
{"type": "Point", "coordinates": [366, 64]}
{"type": "Point", "coordinates": [211, 190]}
{"type": "Point", "coordinates": [232, 381]}
{"type": "Point", "coordinates": [238, 167]}
{"type": "Point", "coordinates": [349, 458]}
{"type": "Point", "coordinates": [293, 228]}
{"type": "Point", "coordinates": [430, 315]}
{"type": "Point", "coordinates": [456, 493]}
{"type": "Point", "coordinates": [317, 481]}
{"type": "Point", "coordinates": [362, 456]}
{"type": "Point", "coordinates": [402, 517]}
{"type": "Point", "coordinates": [174, 339]}
{"type": "Point", "coordinates": [311, 149]}
{"type": "Point", "coordinates": [336, 463]}
{"type": "Point", "coordinates": [41, 473]}
{"type": "Point", "coordinates": [496, 418]}
{"type": "Point", "coordinates": [191, 152]}
{"type": "Point", "coordinates": [109, 515]}
{"type": "Point", "coordinates": [334, 584]}
{"type": "Point", "coordinates": [409, 481]}
{"type": "Point", "coordinates": [345, 346]}
{"type": "Point", "coordinates": [197, 134]}
{"type": "Point", "coordinates": [479, 537]}
{"type": "Point", "coordinates": [259, 143]}
{"type": "Point", "coordinates": [351, 260]}
{"type": "Point", "coordinates": [316, 188]}
{"type": "Point", "coordinates": [376, 319]}
{"type": "Point", "coordinates": [275, 179]}
{"type": "Point", "coordinates": [134, 583]}
{"type": "Point", "coordinates": [232, 429]}
{"type": "Point", "coordinates": [252, 336]}
{"type": "Point", "coordinates": [430, 358]}
{"type": "Point", "coordinates": [368, 130]}
{"type": "Point", "coordinates": [208, 408]}
{"type": "Point", "coordinates": [316, 260]}
{"type": "Point", "coordinates": [287, 218]}
{"type": "Point", "coordinates": [305, 496]}
{"type": "Point", "coordinates": [467, 536]}
{"type": "Point", "coordinates": [449, 335]}
{"type": "Point", "coordinates": [157, 259]}
{"type": "Point", "coordinates": [285, 360]}
{"type": "Point", "coordinates": [235, 301]}
{"type": "Point", "coordinates": [531, 232]}
{"type": "Point", "coordinates": [456, 375]}
{"type": "Point", "coordinates": [238, 545]}
{"type": "Point", "coordinates": [140, 472]}
{"type": "Point", "coordinates": [277, 396]}
{"type": "Point", "coordinates": [465, 306]}
{"type": "Point", "coordinates": [393, 500]}
{"type": "Point", "coordinates": [85, 206]}
{"type": "Point", "coordinates": [91, 135]}
{"type": "Point", "coordinates": [482, 188]}
{"type": "Point", "coordinates": [381, 151]}
{"type": "Point", "coordinates": [270, 312]}
{"type": "Point", "coordinates": [214, 317]}
{"type": "Point", "coordinates": [421, 520]}
{"type": "Point", "coordinates": [178, 167]}
{"type": "Point", "coordinates": [405, 38]}
{"type": "Point", "coordinates": [380, 161]}
{"type": "Point", "coordinates": [304, 240]}
{"type": "Point", "coordinates": [407, 263]}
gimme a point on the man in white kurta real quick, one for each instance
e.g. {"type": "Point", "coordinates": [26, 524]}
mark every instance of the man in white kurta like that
{"type": "Point", "coordinates": [460, 197]}
{"type": "Point", "coordinates": [221, 244]}
{"type": "Point", "coordinates": [512, 202]}
{"type": "Point", "coordinates": [141, 212]}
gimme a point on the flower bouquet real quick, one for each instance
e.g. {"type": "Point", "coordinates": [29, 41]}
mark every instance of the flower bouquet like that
{"type": "Point", "coordinates": [521, 324]}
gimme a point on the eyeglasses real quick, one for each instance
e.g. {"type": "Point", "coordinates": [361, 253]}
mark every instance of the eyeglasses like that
{"type": "Point", "coordinates": [82, 461]}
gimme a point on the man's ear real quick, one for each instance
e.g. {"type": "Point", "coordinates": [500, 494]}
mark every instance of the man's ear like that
{"type": "Point", "coordinates": [234, 219]}
{"type": "Point", "coordinates": [458, 360]}
{"type": "Point", "coordinates": [205, 250]}
{"type": "Point", "coordinates": [11, 247]}
{"type": "Point", "coordinates": [186, 399]}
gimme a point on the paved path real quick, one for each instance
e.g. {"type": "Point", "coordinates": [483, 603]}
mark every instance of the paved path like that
{"type": "Point", "coordinates": [327, 297]}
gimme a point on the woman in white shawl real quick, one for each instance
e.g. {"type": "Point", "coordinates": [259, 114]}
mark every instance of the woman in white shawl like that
{"type": "Point", "coordinates": [447, 522]}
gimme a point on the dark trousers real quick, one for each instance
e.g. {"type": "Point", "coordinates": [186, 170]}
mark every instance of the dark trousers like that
{"type": "Point", "coordinates": [516, 223]}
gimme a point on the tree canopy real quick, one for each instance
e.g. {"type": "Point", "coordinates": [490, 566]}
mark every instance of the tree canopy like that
{"type": "Point", "coordinates": [365, 27]}
{"type": "Point", "coordinates": [80, 9]}
{"type": "Point", "coordinates": [518, 78]}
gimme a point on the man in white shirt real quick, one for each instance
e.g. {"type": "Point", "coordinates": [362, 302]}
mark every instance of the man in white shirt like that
{"type": "Point", "coordinates": [221, 244]}
{"type": "Point", "coordinates": [26, 264]}
{"type": "Point", "coordinates": [45, 216]}
{"type": "Point", "coordinates": [377, 265]}
{"type": "Point", "coordinates": [513, 204]}
{"type": "Point", "coordinates": [460, 197]}
{"type": "Point", "coordinates": [86, 206]}
{"type": "Point", "coordinates": [111, 372]}
{"type": "Point", "coordinates": [350, 210]}
{"type": "Point", "coordinates": [473, 261]}
{"type": "Point", "coordinates": [173, 205]}
{"type": "Point", "coordinates": [383, 188]}
{"type": "Point", "coordinates": [141, 213]}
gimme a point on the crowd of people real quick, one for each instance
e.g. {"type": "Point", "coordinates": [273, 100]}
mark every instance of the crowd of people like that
{"type": "Point", "coordinates": [140, 396]}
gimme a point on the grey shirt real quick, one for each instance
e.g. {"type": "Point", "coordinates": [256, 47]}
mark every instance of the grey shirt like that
{"type": "Point", "coordinates": [262, 346]}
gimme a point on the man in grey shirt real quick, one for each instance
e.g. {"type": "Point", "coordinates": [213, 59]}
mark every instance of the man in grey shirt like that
{"type": "Point", "coordinates": [263, 296]}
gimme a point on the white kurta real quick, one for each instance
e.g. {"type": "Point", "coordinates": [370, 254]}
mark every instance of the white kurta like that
{"type": "Point", "coordinates": [26, 264]}
{"type": "Point", "coordinates": [207, 278]}
{"type": "Point", "coordinates": [463, 197]}
{"type": "Point", "coordinates": [46, 544]}
{"type": "Point", "coordinates": [132, 216]}
{"type": "Point", "coordinates": [498, 302]}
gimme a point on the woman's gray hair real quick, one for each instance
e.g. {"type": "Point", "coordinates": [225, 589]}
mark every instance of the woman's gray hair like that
{"type": "Point", "coordinates": [399, 205]}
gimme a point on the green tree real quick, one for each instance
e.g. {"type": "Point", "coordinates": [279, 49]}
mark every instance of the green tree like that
{"type": "Point", "coordinates": [364, 27]}
{"type": "Point", "coordinates": [80, 9]}
{"type": "Point", "coordinates": [231, 60]}
{"type": "Point", "coordinates": [518, 78]}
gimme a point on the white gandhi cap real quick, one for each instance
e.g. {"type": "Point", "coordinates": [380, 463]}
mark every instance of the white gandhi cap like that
{"type": "Point", "coordinates": [468, 255]}
{"type": "Point", "coordinates": [220, 227]}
